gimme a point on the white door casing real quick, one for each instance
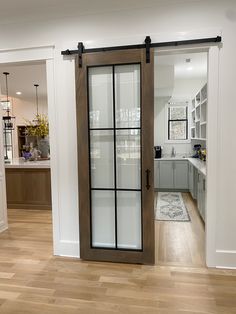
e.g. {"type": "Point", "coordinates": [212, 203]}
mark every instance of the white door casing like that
{"type": "Point", "coordinates": [213, 257]}
{"type": "Point", "coordinates": [45, 53]}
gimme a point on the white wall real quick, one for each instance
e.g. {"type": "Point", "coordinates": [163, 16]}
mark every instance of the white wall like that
{"type": "Point", "coordinates": [168, 22]}
{"type": "Point", "coordinates": [188, 88]}
{"type": "Point", "coordinates": [182, 90]}
{"type": "Point", "coordinates": [164, 80]}
{"type": "Point", "coordinates": [160, 131]}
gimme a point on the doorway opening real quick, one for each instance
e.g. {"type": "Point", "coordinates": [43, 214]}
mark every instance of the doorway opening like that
{"type": "Point", "coordinates": [180, 148]}
{"type": "Point", "coordinates": [186, 123]}
{"type": "Point", "coordinates": [27, 155]}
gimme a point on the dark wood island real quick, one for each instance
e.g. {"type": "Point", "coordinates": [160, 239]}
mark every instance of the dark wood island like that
{"type": "Point", "coordinates": [28, 184]}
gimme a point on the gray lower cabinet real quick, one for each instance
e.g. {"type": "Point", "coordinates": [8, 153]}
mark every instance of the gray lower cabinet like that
{"type": "Point", "coordinates": [192, 175]}
{"type": "Point", "coordinates": [171, 175]}
{"type": "Point", "coordinates": [191, 179]}
{"type": "Point", "coordinates": [166, 180]}
{"type": "Point", "coordinates": [201, 194]}
{"type": "Point", "coordinates": [181, 175]}
{"type": "Point", "coordinates": [156, 174]}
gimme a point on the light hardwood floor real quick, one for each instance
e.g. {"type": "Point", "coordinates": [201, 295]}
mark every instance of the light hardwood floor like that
{"type": "Point", "coordinates": [32, 281]}
{"type": "Point", "coordinates": [181, 243]}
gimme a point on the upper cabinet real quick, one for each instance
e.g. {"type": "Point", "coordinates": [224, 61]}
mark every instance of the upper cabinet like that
{"type": "Point", "coordinates": [199, 115]}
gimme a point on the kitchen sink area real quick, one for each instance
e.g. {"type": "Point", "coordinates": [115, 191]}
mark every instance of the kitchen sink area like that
{"type": "Point", "coordinates": [182, 174]}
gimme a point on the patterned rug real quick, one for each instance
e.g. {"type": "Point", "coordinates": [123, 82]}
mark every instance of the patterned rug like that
{"type": "Point", "coordinates": [170, 207]}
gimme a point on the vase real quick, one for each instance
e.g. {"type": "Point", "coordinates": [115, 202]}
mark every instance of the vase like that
{"type": "Point", "coordinates": [43, 147]}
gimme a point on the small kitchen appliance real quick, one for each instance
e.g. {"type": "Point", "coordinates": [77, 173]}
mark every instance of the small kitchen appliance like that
{"type": "Point", "coordinates": [196, 149]}
{"type": "Point", "coordinates": [157, 152]}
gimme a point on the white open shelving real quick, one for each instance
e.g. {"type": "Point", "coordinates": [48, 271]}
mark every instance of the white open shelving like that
{"type": "Point", "coordinates": [199, 115]}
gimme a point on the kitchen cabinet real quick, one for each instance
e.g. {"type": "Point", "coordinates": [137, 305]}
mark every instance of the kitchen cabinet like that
{"type": "Point", "coordinates": [199, 115]}
{"type": "Point", "coordinates": [201, 194]}
{"type": "Point", "coordinates": [166, 178]}
{"type": "Point", "coordinates": [28, 188]}
{"type": "Point", "coordinates": [171, 175]}
{"type": "Point", "coordinates": [191, 179]}
{"type": "Point", "coordinates": [21, 131]}
{"type": "Point", "coordinates": [193, 173]}
{"type": "Point", "coordinates": [156, 174]}
{"type": "Point", "coordinates": [181, 175]}
{"type": "Point", "coordinates": [24, 140]}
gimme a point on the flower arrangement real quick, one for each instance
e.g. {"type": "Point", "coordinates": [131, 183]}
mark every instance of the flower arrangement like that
{"type": "Point", "coordinates": [38, 127]}
{"type": "Point", "coordinates": [202, 154]}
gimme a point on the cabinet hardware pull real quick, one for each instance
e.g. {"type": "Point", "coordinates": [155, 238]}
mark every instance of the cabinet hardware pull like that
{"type": "Point", "coordinates": [147, 179]}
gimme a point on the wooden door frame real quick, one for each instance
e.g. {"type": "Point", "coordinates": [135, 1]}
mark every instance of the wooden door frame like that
{"type": "Point", "coordinates": [147, 255]}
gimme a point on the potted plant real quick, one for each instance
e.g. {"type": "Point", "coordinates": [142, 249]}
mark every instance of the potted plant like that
{"type": "Point", "coordinates": [39, 127]}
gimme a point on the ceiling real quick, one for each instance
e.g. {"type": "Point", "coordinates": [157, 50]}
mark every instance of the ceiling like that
{"type": "Point", "coordinates": [13, 11]}
{"type": "Point", "coordinates": [22, 78]}
{"type": "Point", "coordinates": [196, 68]}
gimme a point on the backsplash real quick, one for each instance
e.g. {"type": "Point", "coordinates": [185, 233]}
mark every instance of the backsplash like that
{"type": "Point", "coordinates": [180, 149]}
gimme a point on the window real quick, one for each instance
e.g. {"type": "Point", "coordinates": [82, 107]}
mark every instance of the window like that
{"type": "Point", "coordinates": [178, 123]}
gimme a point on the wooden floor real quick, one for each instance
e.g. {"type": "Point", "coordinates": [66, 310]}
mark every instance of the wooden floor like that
{"type": "Point", "coordinates": [32, 281]}
{"type": "Point", "coordinates": [181, 243]}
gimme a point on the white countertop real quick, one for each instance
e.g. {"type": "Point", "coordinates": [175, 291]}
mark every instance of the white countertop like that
{"type": "Point", "coordinates": [171, 158]}
{"type": "Point", "coordinates": [197, 163]}
{"type": "Point", "coordinates": [20, 163]}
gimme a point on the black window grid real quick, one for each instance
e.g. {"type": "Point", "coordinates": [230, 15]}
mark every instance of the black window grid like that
{"type": "Point", "coordinates": [178, 120]}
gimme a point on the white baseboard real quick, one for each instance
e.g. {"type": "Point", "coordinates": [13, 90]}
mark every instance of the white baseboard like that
{"type": "Point", "coordinates": [67, 248]}
{"type": "Point", "coordinates": [226, 259]}
{"type": "Point", "coordinates": [3, 226]}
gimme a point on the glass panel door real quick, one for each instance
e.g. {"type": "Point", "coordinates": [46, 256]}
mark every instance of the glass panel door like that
{"type": "Point", "coordinates": [115, 104]}
{"type": "Point", "coordinates": [115, 156]}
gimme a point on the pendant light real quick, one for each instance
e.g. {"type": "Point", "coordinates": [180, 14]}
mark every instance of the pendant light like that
{"type": "Point", "coordinates": [37, 103]}
{"type": "Point", "coordinates": [8, 119]}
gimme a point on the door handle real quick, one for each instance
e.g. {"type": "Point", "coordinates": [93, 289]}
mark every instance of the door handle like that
{"type": "Point", "coordinates": [147, 179]}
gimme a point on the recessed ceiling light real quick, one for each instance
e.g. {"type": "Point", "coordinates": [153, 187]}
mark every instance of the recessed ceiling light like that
{"type": "Point", "coordinates": [18, 93]}
{"type": "Point", "coordinates": [189, 68]}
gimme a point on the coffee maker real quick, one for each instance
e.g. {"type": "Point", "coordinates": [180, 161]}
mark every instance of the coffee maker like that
{"type": "Point", "coordinates": [157, 152]}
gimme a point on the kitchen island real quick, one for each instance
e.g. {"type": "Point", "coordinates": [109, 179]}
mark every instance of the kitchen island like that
{"type": "Point", "coordinates": [28, 184]}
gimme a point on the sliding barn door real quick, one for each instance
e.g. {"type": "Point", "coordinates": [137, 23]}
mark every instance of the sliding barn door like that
{"type": "Point", "coordinates": [115, 106]}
